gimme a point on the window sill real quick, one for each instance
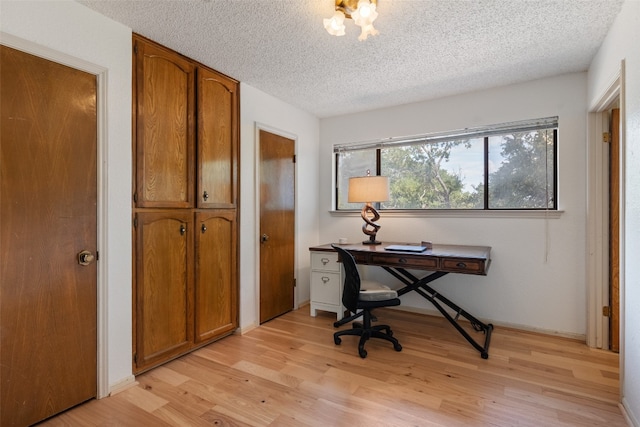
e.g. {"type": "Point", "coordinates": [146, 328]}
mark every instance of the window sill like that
{"type": "Point", "coordinates": [458, 213]}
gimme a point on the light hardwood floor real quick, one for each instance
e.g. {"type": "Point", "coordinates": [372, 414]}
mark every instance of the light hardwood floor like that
{"type": "Point", "coordinates": [288, 372]}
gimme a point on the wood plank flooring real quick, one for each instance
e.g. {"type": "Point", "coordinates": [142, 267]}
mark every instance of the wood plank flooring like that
{"type": "Point", "coordinates": [288, 372]}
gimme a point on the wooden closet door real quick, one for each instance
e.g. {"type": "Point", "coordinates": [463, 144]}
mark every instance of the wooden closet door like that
{"type": "Point", "coordinates": [216, 296]}
{"type": "Point", "coordinates": [277, 225]}
{"type": "Point", "coordinates": [217, 140]}
{"type": "Point", "coordinates": [164, 295]}
{"type": "Point", "coordinates": [48, 196]}
{"type": "Point", "coordinates": [164, 127]}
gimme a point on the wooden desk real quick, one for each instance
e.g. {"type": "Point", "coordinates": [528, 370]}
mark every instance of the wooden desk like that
{"type": "Point", "coordinates": [440, 260]}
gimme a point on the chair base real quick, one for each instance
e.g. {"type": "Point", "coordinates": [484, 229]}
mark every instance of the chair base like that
{"type": "Point", "coordinates": [378, 331]}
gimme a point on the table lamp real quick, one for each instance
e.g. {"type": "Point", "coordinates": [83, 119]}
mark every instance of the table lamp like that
{"type": "Point", "coordinates": [369, 189]}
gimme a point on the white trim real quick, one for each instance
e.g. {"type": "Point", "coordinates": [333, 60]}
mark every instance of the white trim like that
{"type": "Point", "coordinates": [248, 328]}
{"type": "Point", "coordinates": [623, 232]}
{"type": "Point", "coordinates": [628, 415]}
{"type": "Point", "coordinates": [258, 127]}
{"type": "Point", "coordinates": [102, 389]}
{"type": "Point", "coordinates": [122, 385]}
{"type": "Point", "coordinates": [610, 95]}
{"type": "Point", "coordinates": [459, 213]}
{"type": "Point", "coordinates": [518, 326]}
{"type": "Point", "coordinates": [597, 232]}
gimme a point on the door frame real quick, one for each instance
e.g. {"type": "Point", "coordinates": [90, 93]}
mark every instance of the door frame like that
{"type": "Point", "coordinates": [597, 254]}
{"type": "Point", "coordinates": [258, 127]}
{"type": "Point", "coordinates": [100, 72]}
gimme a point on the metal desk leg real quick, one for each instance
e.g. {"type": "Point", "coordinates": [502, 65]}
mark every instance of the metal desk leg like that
{"type": "Point", "coordinates": [421, 287]}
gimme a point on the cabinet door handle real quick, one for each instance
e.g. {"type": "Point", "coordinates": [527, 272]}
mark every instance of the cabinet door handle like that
{"type": "Point", "coordinates": [324, 261]}
{"type": "Point", "coordinates": [205, 196]}
{"type": "Point", "coordinates": [183, 229]}
{"type": "Point", "coordinates": [325, 279]}
{"type": "Point", "coordinates": [203, 228]}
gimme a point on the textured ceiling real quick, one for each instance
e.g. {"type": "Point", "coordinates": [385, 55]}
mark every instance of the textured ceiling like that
{"type": "Point", "coordinates": [426, 49]}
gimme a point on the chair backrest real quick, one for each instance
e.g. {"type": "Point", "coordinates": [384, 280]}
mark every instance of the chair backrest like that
{"type": "Point", "coordinates": [351, 288]}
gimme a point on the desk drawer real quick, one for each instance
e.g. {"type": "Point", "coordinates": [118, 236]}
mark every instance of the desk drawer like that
{"type": "Point", "coordinates": [326, 261]}
{"type": "Point", "coordinates": [463, 265]}
{"type": "Point", "coordinates": [406, 261]}
{"type": "Point", "coordinates": [326, 287]}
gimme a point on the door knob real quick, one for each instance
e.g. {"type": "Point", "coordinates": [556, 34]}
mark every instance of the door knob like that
{"type": "Point", "coordinates": [85, 258]}
{"type": "Point", "coordinates": [264, 238]}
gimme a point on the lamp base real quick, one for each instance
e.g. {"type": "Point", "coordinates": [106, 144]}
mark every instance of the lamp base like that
{"type": "Point", "coordinates": [369, 222]}
{"type": "Point", "coordinates": [369, 242]}
{"type": "Point", "coordinates": [372, 240]}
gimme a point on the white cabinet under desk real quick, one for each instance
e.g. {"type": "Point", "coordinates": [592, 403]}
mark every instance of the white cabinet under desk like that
{"type": "Point", "coordinates": [326, 283]}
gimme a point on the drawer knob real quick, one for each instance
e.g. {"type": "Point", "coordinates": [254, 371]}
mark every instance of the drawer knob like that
{"type": "Point", "coordinates": [402, 260]}
{"type": "Point", "coordinates": [325, 279]}
{"type": "Point", "coordinates": [324, 261]}
{"type": "Point", "coordinates": [461, 265]}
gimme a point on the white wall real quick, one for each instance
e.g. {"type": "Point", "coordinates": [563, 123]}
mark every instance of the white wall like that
{"type": "Point", "coordinates": [526, 286]}
{"type": "Point", "coordinates": [260, 109]}
{"type": "Point", "coordinates": [61, 28]}
{"type": "Point", "coordinates": [622, 44]}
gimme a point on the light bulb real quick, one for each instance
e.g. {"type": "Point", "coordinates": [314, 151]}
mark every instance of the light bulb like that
{"type": "Point", "coordinates": [364, 8]}
{"type": "Point", "coordinates": [335, 24]}
{"type": "Point", "coordinates": [365, 14]}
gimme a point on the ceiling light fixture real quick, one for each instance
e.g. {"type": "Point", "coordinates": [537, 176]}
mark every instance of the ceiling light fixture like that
{"type": "Point", "coordinates": [363, 13]}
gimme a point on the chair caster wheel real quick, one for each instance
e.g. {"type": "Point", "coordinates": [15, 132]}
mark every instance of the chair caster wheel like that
{"type": "Point", "coordinates": [336, 324]}
{"type": "Point", "coordinates": [484, 355]}
{"type": "Point", "coordinates": [362, 352]}
{"type": "Point", "coordinates": [337, 340]}
{"type": "Point", "coordinates": [397, 347]}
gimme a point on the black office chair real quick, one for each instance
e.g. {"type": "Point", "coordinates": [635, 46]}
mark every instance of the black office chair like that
{"type": "Point", "coordinates": [354, 298]}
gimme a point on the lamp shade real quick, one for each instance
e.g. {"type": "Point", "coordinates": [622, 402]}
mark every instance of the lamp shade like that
{"type": "Point", "coordinates": [366, 189]}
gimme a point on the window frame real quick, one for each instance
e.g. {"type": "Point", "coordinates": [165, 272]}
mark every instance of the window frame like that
{"type": "Point", "coordinates": [548, 123]}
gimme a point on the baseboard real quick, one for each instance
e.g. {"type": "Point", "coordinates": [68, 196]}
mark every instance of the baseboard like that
{"type": "Point", "coordinates": [122, 385]}
{"type": "Point", "coordinates": [526, 328]}
{"type": "Point", "coordinates": [629, 416]}
{"type": "Point", "coordinates": [303, 304]}
{"type": "Point", "coordinates": [246, 329]}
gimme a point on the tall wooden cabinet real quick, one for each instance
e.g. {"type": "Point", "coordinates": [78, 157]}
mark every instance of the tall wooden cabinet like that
{"type": "Point", "coordinates": [185, 204]}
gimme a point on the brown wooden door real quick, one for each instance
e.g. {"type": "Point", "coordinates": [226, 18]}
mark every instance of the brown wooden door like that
{"type": "Point", "coordinates": [48, 216]}
{"type": "Point", "coordinates": [614, 231]}
{"type": "Point", "coordinates": [216, 298]}
{"type": "Point", "coordinates": [164, 127]}
{"type": "Point", "coordinates": [277, 225]}
{"type": "Point", "coordinates": [163, 291]}
{"type": "Point", "coordinates": [217, 136]}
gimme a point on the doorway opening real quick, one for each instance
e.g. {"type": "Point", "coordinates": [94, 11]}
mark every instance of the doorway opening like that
{"type": "Point", "coordinates": [605, 217]}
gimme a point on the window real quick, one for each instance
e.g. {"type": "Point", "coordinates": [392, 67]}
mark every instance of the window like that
{"type": "Point", "coordinates": [506, 166]}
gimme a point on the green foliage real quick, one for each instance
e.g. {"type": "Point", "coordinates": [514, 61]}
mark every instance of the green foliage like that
{"type": "Point", "coordinates": [523, 180]}
{"type": "Point", "coordinates": [419, 181]}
